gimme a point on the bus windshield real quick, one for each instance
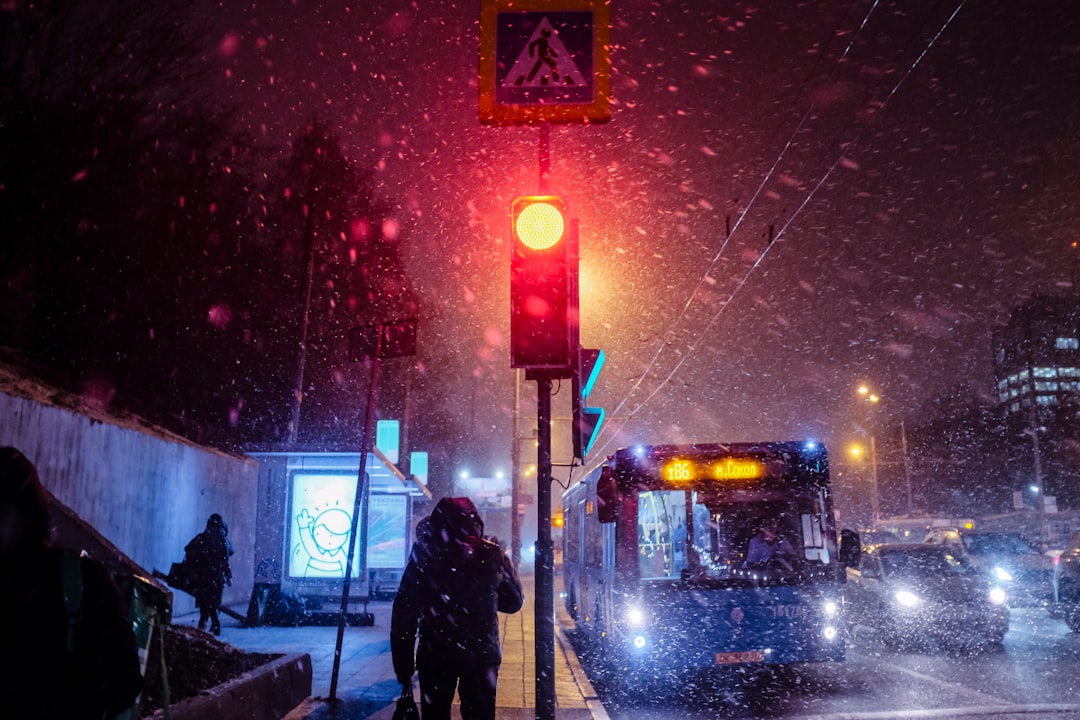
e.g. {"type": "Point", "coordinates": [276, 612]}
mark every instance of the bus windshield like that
{"type": "Point", "coordinates": [724, 538]}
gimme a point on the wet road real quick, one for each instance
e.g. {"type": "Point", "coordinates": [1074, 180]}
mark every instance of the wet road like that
{"type": "Point", "coordinates": [1034, 674]}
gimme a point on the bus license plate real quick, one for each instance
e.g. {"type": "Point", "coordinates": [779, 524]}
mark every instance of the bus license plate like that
{"type": "Point", "coordinates": [745, 656]}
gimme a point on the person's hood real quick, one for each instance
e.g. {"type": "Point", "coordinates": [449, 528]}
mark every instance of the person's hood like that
{"type": "Point", "coordinates": [456, 518]}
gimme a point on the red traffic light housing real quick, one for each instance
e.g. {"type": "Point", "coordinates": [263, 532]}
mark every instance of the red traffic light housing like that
{"type": "Point", "coordinates": [543, 269]}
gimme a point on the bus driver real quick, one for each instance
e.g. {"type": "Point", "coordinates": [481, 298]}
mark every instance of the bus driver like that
{"type": "Point", "coordinates": [768, 546]}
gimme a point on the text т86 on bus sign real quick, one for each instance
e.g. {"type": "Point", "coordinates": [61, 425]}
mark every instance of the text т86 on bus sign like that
{"type": "Point", "coordinates": [544, 61]}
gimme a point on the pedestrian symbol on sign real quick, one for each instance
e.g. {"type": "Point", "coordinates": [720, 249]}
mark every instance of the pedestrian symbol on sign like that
{"type": "Point", "coordinates": [543, 62]}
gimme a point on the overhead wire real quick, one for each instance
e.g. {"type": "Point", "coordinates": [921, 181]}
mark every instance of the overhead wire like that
{"type": "Point", "coordinates": [716, 258]}
{"type": "Point", "coordinates": [847, 147]}
{"type": "Point", "coordinates": [738, 222]}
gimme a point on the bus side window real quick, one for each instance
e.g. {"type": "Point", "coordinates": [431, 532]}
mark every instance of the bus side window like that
{"type": "Point", "coordinates": [573, 534]}
{"type": "Point", "coordinates": [607, 496]}
{"type": "Point", "coordinates": [813, 539]}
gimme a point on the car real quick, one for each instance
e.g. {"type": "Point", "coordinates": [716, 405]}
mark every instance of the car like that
{"type": "Point", "coordinates": [876, 537]}
{"type": "Point", "coordinates": [919, 594]}
{"type": "Point", "coordinates": [1026, 574]}
{"type": "Point", "coordinates": [1067, 584]}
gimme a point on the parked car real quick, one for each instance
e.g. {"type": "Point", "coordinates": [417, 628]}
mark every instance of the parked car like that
{"type": "Point", "coordinates": [1067, 584]}
{"type": "Point", "coordinates": [1025, 573]}
{"type": "Point", "coordinates": [919, 594]}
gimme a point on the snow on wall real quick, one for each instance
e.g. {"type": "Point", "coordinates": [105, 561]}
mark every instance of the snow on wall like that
{"type": "Point", "coordinates": [146, 491]}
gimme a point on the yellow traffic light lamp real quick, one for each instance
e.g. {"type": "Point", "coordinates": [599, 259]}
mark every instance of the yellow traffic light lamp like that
{"type": "Point", "coordinates": [539, 221]}
{"type": "Point", "coordinates": [543, 282]}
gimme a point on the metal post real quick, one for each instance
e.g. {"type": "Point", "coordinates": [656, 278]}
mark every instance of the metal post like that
{"type": "Point", "coordinates": [1036, 423]}
{"type": "Point", "coordinates": [875, 497]}
{"type": "Point", "coordinates": [545, 156]}
{"type": "Point", "coordinates": [301, 361]}
{"type": "Point", "coordinates": [515, 476]}
{"type": "Point", "coordinates": [907, 469]}
{"type": "Point", "coordinates": [544, 604]}
{"type": "Point", "coordinates": [365, 445]}
{"type": "Point", "coordinates": [1039, 488]}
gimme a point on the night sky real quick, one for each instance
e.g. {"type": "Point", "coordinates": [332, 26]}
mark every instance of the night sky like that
{"type": "Point", "coordinates": [916, 161]}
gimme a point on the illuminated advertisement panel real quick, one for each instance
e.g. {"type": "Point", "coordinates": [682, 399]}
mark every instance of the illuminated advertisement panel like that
{"type": "Point", "coordinates": [319, 526]}
{"type": "Point", "coordinates": [387, 520]}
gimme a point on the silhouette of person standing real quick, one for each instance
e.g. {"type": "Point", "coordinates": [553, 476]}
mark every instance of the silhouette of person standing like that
{"type": "Point", "coordinates": [208, 554]}
{"type": "Point", "coordinates": [453, 588]}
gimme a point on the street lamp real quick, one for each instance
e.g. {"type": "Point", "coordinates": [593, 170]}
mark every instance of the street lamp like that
{"type": "Point", "coordinates": [873, 398]}
{"type": "Point", "coordinates": [875, 498]}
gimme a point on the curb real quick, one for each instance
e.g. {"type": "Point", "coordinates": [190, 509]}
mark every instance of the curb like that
{"type": "Point", "coordinates": [268, 691]}
{"type": "Point", "coordinates": [596, 709]}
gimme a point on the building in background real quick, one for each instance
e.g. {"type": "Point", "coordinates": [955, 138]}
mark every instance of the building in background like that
{"type": "Point", "coordinates": [1037, 383]}
{"type": "Point", "coordinates": [1037, 358]}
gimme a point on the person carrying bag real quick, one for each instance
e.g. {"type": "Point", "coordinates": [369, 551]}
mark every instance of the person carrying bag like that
{"type": "Point", "coordinates": [454, 586]}
{"type": "Point", "coordinates": [406, 706]}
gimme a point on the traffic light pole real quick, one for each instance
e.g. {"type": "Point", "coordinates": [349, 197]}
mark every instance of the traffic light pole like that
{"type": "Point", "coordinates": [544, 604]}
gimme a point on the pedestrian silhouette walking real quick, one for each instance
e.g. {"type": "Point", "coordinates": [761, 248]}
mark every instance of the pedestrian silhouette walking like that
{"type": "Point", "coordinates": [207, 556]}
{"type": "Point", "coordinates": [545, 55]}
{"type": "Point", "coordinates": [452, 590]}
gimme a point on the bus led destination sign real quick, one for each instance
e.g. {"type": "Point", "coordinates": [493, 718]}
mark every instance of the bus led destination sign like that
{"type": "Point", "coordinates": [679, 470]}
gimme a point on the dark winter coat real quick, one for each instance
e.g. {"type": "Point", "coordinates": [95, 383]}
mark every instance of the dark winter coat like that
{"type": "Point", "coordinates": [208, 558]}
{"type": "Point", "coordinates": [453, 588]}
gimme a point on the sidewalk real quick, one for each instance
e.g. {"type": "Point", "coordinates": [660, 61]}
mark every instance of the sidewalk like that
{"type": "Point", "coordinates": [366, 686]}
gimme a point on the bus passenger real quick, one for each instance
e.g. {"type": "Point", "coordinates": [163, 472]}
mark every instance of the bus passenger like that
{"type": "Point", "coordinates": [767, 546]}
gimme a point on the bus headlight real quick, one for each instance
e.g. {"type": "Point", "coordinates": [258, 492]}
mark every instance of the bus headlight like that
{"type": "Point", "coordinates": [997, 596]}
{"type": "Point", "coordinates": [635, 617]}
{"type": "Point", "coordinates": [639, 641]}
{"type": "Point", "coordinates": [829, 632]}
{"type": "Point", "coordinates": [831, 608]}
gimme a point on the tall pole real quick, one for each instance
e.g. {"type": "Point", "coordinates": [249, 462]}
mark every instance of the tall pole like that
{"type": "Point", "coordinates": [907, 469]}
{"type": "Point", "coordinates": [365, 445]}
{"type": "Point", "coordinates": [875, 496]}
{"type": "Point", "coordinates": [545, 155]}
{"type": "Point", "coordinates": [544, 604]}
{"type": "Point", "coordinates": [515, 476]}
{"type": "Point", "coordinates": [301, 361]}
{"type": "Point", "coordinates": [1035, 420]}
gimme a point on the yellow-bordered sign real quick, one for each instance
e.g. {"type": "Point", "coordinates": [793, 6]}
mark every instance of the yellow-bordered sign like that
{"type": "Point", "coordinates": [544, 60]}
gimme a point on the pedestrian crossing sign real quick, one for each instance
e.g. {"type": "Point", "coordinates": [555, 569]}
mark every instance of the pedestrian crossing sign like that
{"type": "Point", "coordinates": [544, 61]}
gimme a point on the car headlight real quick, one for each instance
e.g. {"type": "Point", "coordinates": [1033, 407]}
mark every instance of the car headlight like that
{"type": "Point", "coordinates": [1002, 574]}
{"type": "Point", "coordinates": [906, 598]}
{"type": "Point", "coordinates": [997, 596]}
{"type": "Point", "coordinates": [635, 616]}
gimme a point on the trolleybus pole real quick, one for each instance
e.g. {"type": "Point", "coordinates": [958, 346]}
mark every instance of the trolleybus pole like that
{"type": "Point", "coordinates": [544, 605]}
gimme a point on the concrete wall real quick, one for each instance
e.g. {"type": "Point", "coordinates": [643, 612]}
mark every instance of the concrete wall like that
{"type": "Point", "coordinates": [144, 490]}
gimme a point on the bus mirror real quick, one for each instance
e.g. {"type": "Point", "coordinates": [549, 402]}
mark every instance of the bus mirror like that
{"type": "Point", "coordinates": [849, 548]}
{"type": "Point", "coordinates": [606, 496]}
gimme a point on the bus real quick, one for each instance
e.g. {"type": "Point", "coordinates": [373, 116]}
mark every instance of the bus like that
{"type": "Point", "coordinates": [656, 568]}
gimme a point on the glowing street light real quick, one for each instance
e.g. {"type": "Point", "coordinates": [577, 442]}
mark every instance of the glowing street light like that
{"type": "Point", "coordinates": [865, 393]}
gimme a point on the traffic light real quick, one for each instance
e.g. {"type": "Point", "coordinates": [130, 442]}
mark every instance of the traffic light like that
{"type": "Point", "coordinates": [542, 269]}
{"type": "Point", "coordinates": [587, 420]}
